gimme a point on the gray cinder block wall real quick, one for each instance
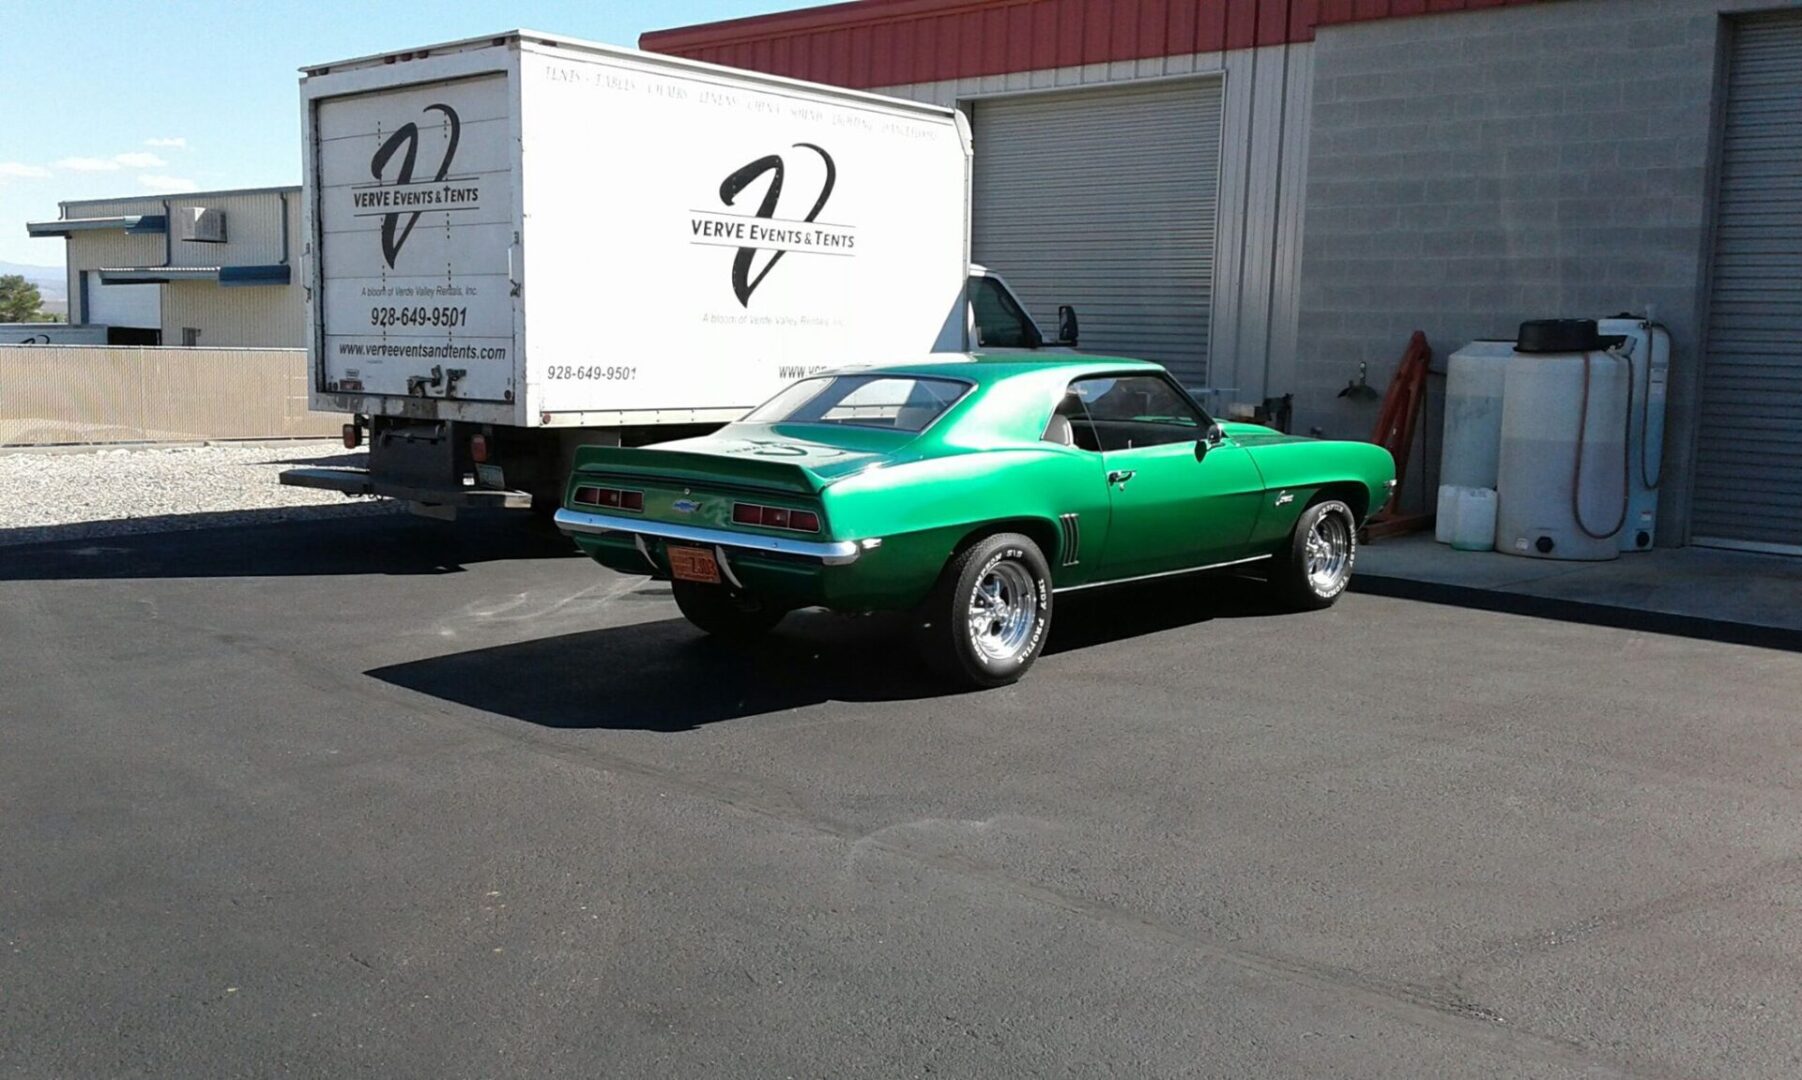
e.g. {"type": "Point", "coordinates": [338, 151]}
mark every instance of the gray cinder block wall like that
{"type": "Point", "coordinates": [1469, 171]}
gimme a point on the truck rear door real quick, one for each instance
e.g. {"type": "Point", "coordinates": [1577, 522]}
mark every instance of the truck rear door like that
{"type": "Point", "coordinates": [414, 191]}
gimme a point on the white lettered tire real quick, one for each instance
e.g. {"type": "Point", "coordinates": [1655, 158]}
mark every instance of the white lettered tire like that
{"type": "Point", "coordinates": [987, 619]}
{"type": "Point", "coordinates": [1316, 566]}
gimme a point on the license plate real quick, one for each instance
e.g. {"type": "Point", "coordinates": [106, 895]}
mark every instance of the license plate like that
{"type": "Point", "coordinates": [491, 476]}
{"type": "Point", "coordinates": [693, 564]}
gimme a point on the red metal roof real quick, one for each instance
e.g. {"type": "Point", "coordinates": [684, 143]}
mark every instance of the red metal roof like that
{"type": "Point", "coordinates": [895, 42]}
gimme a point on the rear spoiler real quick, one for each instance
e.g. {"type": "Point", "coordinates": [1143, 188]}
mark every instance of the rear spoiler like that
{"type": "Point", "coordinates": [713, 469]}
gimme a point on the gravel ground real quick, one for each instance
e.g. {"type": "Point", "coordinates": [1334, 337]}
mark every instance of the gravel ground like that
{"type": "Point", "coordinates": [64, 496]}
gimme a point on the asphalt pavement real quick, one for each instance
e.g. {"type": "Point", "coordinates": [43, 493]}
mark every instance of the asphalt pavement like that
{"type": "Point", "coordinates": [382, 797]}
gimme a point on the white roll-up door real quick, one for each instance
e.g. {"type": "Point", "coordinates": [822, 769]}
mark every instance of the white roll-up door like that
{"type": "Point", "coordinates": [139, 306]}
{"type": "Point", "coordinates": [1748, 482]}
{"type": "Point", "coordinates": [1105, 199]}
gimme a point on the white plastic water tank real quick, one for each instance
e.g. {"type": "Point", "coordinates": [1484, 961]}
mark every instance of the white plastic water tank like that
{"type": "Point", "coordinates": [1548, 508]}
{"type": "Point", "coordinates": [1474, 379]}
{"type": "Point", "coordinates": [1651, 355]}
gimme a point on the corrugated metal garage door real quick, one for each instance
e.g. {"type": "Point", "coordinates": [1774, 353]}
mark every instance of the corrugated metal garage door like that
{"type": "Point", "coordinates": [138, 306]}
{"type": "Point", "coordinates": [1749, 458]}
{"type": "Point", "coordinates": [1105, 199]}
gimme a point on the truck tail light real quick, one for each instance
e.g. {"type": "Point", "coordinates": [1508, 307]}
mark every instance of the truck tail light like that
{"type": "Point", "coordinates": [478, 448]}
{"type": "Point", "coordinates": [611, 498]}
{"type": "Point", "coordinates": [353, 436]}
{"type": "Point", "coordinates": [775, 517]}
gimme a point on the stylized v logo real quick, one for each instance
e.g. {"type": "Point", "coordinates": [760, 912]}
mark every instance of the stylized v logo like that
{"type": "Point", "coordinates": [393, 236]}
{"type": "Point", "coordinates": [743, 284]}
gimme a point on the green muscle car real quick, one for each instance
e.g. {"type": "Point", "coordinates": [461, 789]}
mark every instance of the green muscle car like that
{"type": "Point", "coordinates": [971, 491]}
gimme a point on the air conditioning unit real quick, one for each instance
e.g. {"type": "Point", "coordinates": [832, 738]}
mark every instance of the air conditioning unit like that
{"type": "Point", "coordinates": [200, 224]}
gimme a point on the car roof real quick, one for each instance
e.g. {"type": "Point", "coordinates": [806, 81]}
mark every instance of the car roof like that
{"type": "Point", "coordinates": [982, 369]}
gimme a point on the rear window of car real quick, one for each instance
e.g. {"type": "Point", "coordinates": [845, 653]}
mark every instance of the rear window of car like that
{"type": "Point", "coordinates": [889, 402]}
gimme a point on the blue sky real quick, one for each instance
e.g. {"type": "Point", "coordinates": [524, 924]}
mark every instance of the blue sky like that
{"type": "Point", "coordinates": [125, 97]}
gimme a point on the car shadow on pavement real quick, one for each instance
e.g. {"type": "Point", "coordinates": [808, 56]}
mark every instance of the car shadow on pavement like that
{"type": "Point", "coordinates": [1085, 619]}
{"type": "Point", "coordinates": [335, 539]}
{"type": "Point", "coordinates": [666, 676]}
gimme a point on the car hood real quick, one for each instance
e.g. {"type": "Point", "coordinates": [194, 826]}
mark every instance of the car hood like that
{"type": "Point", "coordinates": [1250, 435]}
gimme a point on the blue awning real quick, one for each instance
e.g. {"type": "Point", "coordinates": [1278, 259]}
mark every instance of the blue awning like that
{"type": "Point", "coordinates": [272, 274]}
{"type": "Point", "coordinates": [139, 224]}
{"type": "Point", "coordinates": [156, 275]}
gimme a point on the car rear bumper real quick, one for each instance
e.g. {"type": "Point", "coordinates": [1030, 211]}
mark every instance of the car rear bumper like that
{"type": "Point", "coordinates": [829, 552]}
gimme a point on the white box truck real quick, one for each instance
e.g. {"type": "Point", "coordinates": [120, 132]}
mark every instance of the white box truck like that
{"type": "Point", "coordinates": [519, 244]}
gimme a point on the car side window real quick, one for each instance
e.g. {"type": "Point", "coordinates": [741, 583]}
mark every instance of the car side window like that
{"type": "Point", "coordinates": [1070, 424]}
{"type": "Point", "coordinates": [1129, 411]}
{"type": "Point", "coordinates": [1000, 324]}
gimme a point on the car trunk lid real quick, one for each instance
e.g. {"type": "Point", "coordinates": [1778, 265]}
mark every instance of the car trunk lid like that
{"type": "Point", "coordinates": [697, 481]}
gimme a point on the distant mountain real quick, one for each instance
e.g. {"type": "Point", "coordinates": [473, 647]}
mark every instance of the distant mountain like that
{"type": "Point", "coordinates": [49, 279]}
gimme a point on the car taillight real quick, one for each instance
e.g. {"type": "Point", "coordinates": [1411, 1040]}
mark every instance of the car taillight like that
{"type": "Point", "coordinates": [775, 517]}
{"type": "Point", "coordinates": [611, 498]}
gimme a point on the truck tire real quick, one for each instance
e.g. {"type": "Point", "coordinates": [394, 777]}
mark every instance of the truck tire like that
{"type": "Point", "coordinates": [1316, 564]}
{"type": "Point", "coordinates": [723, 613]}
{"type": "Point", "coordinates": [987, 619]}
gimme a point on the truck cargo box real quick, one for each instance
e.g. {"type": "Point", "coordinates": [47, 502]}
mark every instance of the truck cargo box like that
{"type": "Point", "coordinates": [533, 231]}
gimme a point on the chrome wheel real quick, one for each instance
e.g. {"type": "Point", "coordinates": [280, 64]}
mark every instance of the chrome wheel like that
{"type": "Point", "coordinates": [1004, 609]}
{"type": "Point", "coordinates": [1328, 550]}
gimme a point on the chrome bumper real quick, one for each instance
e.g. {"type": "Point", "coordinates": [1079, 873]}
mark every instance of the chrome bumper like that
{"type": "Point", "coordinates": [832, 553]}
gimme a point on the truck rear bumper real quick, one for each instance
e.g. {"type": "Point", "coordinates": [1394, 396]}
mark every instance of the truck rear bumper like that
{"type": "Point", "coordinates": [360, 482]}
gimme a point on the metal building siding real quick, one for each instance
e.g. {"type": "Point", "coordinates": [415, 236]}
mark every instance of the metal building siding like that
{"type": "Point", "coordinates": [92, 250]}
{"type": "Point", "coordinates": [253, 317]}
{"type": "Point", "coordinates": [253, 230]}
{"type": "Point", "coordinates": [898, 42]}
{"type": "Point", "coordinates": [1748, 476]}
{"type": "Point", "coordinates": [256, 316]}
{"type": "Point", "coordinates": [1106, 199]}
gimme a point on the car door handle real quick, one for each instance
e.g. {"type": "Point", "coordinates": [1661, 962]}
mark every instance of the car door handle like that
{"type": "Point", "coordinates": [1120, 476]}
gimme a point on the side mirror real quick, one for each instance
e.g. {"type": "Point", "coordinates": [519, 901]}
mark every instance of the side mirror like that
{"type": "Point", "coordinates": [1066, 325]}
{"type": "Point", "coordinates": [1210, 438]}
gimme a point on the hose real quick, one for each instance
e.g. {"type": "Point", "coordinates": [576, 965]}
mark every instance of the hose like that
{"type": "Point", "coordinates": [1645, 408]}
{"type": "Point", "coordinates": [1576, 483]}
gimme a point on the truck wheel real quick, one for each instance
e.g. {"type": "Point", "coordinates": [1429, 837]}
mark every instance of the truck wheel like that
{"type": "Point", "coordinates": [987, 618]}
{"type": "Point", "coordinates": [723, 613]}
{"type": "Point", "coordinates": [1316, 566]}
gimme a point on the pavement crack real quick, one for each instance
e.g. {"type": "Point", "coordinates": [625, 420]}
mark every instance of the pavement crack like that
{"type": "Point", "coordinates": [1771, 872]}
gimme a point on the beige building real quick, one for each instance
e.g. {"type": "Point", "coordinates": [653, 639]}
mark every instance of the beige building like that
{"type": "Point", "coordinates": [206, 268]}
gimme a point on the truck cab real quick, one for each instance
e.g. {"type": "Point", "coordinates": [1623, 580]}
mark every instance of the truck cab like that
{"type": "Point", "coordinates": [999, 322]}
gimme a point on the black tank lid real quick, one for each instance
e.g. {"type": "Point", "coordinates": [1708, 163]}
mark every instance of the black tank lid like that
{"type": "Point", "coordinates": [1562, 336]}
{"type": "Point", "coordinates": [1556, 336]}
